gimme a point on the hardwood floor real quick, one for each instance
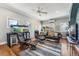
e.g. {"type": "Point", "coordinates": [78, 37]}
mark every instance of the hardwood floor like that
{"type": "Point", "coordinates": [16, 49]}
{"type": "Point", "coordinates": [64, 48]}
{"type": "Point", "coordinates": [6, 51]}
{"type": "Point", "coordinates": [13, 51]}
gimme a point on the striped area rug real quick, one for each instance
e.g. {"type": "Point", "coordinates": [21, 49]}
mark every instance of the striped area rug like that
{"type": "Point", "coordinates": [46, 49]}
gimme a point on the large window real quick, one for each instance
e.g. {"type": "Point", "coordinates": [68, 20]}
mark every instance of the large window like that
{"type": "Point", "coordinates": [63, 27]}
{"type": "Point", "coordinates": [77, 18]}
{"type": "Point", "coordinates": [11, 22]}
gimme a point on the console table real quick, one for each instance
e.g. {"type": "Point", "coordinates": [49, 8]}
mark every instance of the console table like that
{"type": "Point", "coordinates": [12, 40]}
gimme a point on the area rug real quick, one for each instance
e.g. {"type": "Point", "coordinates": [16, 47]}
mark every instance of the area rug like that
{"type": "Point", "coordinates": [45, 49]}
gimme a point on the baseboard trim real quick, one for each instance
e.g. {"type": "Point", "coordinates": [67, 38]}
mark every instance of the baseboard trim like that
{"type": "Point", "coordinates": [2, 43]}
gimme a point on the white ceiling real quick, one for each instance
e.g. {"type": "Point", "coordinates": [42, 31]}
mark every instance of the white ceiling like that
{"type": "Point", "coordinates": [54, 9]}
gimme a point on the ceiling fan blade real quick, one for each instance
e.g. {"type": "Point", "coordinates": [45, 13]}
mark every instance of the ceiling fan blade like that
{"type": "Point", "coordinates": [44, 12]}
{"type": "Point", "coordinates": [40, 8]}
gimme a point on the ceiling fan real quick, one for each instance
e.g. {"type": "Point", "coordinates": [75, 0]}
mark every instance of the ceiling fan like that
{"type": "Point", "coordinates": [40, 11]}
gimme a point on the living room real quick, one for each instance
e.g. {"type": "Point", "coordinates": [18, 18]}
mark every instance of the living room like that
{"type": "Point", "coordinates": [36, 29]}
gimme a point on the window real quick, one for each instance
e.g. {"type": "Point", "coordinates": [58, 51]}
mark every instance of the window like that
{"type": "Point", "coordinates": [11, 22]}
{"type": "Point", "coordinates": [63, 27]}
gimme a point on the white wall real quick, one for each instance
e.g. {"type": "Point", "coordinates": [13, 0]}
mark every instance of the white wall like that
{"type": "Point", "coordinates": [35, 25]}
{"type": "Point", "coordinates": [5, 13]}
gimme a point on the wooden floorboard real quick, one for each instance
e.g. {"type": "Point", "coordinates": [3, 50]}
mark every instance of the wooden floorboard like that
{"type": "Point", "coordinates": [64, 51]}
{"type": "Point", "coordinates": [6, 51]}
{"type": "Point", "coordinates": [13, 51]}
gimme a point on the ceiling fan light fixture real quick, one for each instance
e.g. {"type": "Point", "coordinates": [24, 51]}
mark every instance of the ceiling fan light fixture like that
{"type": "Point", "coordinates": [40, 11]}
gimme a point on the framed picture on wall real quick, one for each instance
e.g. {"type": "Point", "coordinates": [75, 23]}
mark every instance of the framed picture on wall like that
{"type": "Point", "coordinates": [11, 21]}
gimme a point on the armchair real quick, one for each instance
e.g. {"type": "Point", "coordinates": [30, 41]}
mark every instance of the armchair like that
{"type": "Point", "coordinates": [24, 40]}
